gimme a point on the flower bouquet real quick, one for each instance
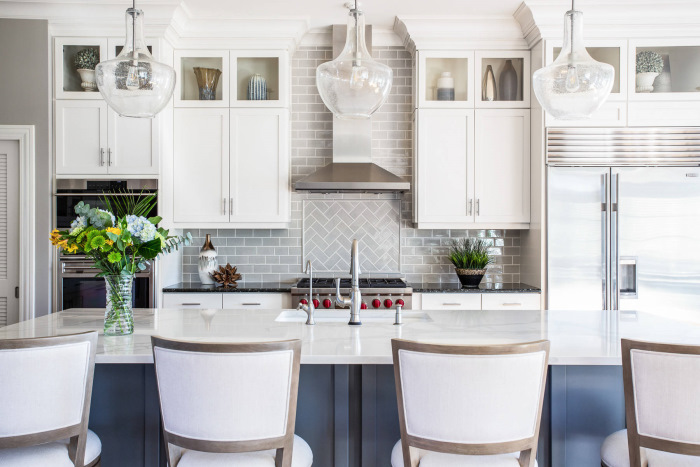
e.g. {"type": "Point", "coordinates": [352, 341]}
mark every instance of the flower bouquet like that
{"type": "Point", "coordinates": [120, 245]}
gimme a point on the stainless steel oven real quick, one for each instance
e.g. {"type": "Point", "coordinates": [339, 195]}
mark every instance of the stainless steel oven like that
{"type": "Point", "coordinates": [75, 283]}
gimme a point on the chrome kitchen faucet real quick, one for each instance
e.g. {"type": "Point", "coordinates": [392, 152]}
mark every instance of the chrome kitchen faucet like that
{"type": "Point", "coordinates": [355, 299]}
{"type": "Point", "coordinates": [309, 307]}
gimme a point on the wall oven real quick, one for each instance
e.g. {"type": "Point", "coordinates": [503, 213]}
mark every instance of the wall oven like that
{"type": "Point", "coordinates": [75, 283]}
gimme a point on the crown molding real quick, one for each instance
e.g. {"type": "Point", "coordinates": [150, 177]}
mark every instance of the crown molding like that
{"type": "Point", "coordinates": [459, 33]}
{"type": "Point", "coordinates": [620, 19]}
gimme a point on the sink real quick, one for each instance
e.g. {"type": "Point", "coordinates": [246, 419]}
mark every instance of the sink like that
{"type": "Point", "coordinates": [342, 316]}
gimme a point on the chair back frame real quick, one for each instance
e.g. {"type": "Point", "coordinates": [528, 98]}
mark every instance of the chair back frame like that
{"type": "Point", "coordinates": [636, 441]}
{"type": "Point", "coordinates": [77, 433]}
{"type": "Point", "coordinates": [282, 444]}
{"type": "Point", "coordinates": [527, 446]}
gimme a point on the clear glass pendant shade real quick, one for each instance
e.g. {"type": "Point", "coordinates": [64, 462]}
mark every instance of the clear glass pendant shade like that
{"type": "Point", "coordinates": [575, 85]}
{"type": "Point", "coordinates": [134, 84]}
{"type": "Point", "coordinates": [353, 85]}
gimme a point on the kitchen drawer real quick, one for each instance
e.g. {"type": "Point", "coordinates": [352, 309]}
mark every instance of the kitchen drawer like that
{"type": "Point", "coordinates": [451, 301]}
{"type": "Point", "coordinates": [192, 300]}
{"type": "Point", "coordinates": [263, 301]}
{"type": "Point", "coordinates": [510, 301]}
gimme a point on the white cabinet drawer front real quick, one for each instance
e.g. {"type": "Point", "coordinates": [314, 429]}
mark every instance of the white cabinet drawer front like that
{"type": "Point", "coordinates": [262, 301]}
{"type": "Point", "coordinates": [192, 300]}
{"type": "Point", "coordinates": [510, 301]}
{"type": "Point", "coordinates": [451, 301]}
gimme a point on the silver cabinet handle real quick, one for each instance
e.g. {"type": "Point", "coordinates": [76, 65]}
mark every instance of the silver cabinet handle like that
{"type": "Point", "coordinates": [230, 206]}
{"type": "Point", "coordinates": [477, 206]}
{"type": "Point", "coordinates": [102, 157]}
{"type": "Point", "coordinates": [190, 304]}
{"type": "Point", "coordinates": [109, 156]}
{"type": "Point", "coordinates": [603, 234]}
{"type": "Point", "coordinates": [251, 304]}
{"type": "Point", "coordinates": [511, 304]}
{"type": "Point", "coordinates": [451, 304]}
{"type": "Point", "coordinates": [471, 202]}
{"type": "Point", "coordinates": [224, 206]}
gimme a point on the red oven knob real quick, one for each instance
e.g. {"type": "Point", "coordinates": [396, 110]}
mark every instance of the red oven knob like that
{"type": "Point", "coordinates": [376, 303]}
{"type": "Point", "coordinates": [327, 303]}
{"type": "Point", "coordinates": [388, 303]}
{"type": "Point", "coordinates": [400, 301]}
{"type": "Point", "coordinates": [304, 301]}
{"type": "Point", "coordinates": [363, 306]}
{"type": "Point", "coordinates": [316, 303]}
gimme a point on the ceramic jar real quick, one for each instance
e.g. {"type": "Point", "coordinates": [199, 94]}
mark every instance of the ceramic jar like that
{"type": "Point", "coordinates": [508, 82]}
{"type": "Point", "coordinates": [488, 85]}
{"type": "Point", "coordinates": [207, 262]}
{"type": "Point", "coordinates": [257, 88]}
{"type": "Point", "coordinates": [446, 87]}
{"type": "Point", "coordinates": [89, 83]}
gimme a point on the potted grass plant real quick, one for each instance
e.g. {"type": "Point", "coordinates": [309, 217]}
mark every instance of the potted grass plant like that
{"type": "Point", "coordinates": [648, 66]}
{"type": "Point", "coordinates": [470, 256]}
{"type": "Point", "coordinates": [85, 62]}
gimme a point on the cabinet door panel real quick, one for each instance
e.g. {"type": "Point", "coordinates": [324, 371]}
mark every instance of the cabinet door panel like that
{"type": "Point", "coordinates": [502, 165]}
{"type": "Point", "coordinates": [133, 145]}
{"type": "Point", "coordinates": [201, 165]}
{"type": "Point", "coordinates": [445, 159]}
{"type": "Point", "coordinates": [259, 166]}
{"type": "Point", "coordinates": [81, 135]}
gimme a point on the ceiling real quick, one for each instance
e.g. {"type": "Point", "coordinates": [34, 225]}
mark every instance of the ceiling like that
{"type": "Point", "coordinates": [321, 13]}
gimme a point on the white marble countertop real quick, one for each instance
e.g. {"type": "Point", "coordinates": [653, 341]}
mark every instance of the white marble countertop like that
{"type": "Point", "coordinates": [577, 337]}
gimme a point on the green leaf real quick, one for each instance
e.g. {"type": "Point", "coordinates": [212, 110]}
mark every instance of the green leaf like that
{"type": "Point", "coordinates": [155, 220]}
{"type": "Point", "coordinates": [150, 250]}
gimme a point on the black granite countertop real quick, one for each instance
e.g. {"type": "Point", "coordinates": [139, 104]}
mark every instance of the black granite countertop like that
{"type": "Point", "coordinates": [501, 287]}
{"type": "Point", "coordinates": [250, 287]}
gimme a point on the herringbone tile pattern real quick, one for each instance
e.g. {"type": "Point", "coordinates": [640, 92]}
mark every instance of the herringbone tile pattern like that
{"type": "Point", "coordinates": [329, 226]}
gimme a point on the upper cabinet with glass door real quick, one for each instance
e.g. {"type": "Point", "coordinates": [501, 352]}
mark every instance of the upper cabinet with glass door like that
{"type": "Point", "coordinates": [75, 59]}
{"type": "Point", "coordinates": [202, 78]}
{"type": "Point", "coordinates": [503, 79]}
{"type": "Point", "coordinates": [445, 79]}
{"type": "Point", "coordinates": [664, 69]}
{"type": "Point", "coordinates": [614, 110]}
{"type": "Point", "coordinates": [259, 78]}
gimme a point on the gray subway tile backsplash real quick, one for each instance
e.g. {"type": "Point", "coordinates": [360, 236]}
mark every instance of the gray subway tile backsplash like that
{"type": "Point", "coordinates": [276, 255]}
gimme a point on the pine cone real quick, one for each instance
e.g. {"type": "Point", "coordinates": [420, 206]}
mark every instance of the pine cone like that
{"type": "Point", "coordinates": [226, 275]}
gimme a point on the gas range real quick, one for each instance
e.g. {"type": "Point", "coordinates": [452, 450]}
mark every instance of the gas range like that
{"type": "Point", "coordinates": [379, 293]}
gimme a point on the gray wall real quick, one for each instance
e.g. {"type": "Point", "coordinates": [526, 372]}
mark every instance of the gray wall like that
{"type": "Point", "coordinates": [421, 255]}
{"type": "Point", "coordinates": [24, 100]}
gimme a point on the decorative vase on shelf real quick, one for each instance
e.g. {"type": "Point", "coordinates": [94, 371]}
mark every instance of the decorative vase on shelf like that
{"type": "Point", "coordinates": [508, 83]}
{"type": "Point", "coordinates": [488, 85]}
{"type": "Point", "coordinates": [207, 262]}
{"type": "Point", "coordinates": [89, 82]}
{"type": "Point", "coordinates": [446, 87]}
{"type": "Point", "coordinates": [207, 81]}
{"type": "Point", "coordinates": [645, 81]}
{"type": "Point", "coordinates": [119, 314]}
{"type": "Point", "coordinates": [257, 88]}
{"type": "Point", "coordinates": [470, 278]}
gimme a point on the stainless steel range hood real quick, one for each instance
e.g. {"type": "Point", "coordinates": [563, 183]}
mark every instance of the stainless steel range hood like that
{"type": "Point", "coordinates": [352, 170]}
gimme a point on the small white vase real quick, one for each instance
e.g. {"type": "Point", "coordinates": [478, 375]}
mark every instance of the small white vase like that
{"type": "Point", "coordinates": [662, 83]}
{"type": "Point", "coordinates": [89, 83]}
{"type": "Point", "coordinates": [207, 262]}
{"type": "Point", "coordinates": [645, 81]}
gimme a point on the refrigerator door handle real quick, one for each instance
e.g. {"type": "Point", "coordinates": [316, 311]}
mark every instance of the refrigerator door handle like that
{"type": "Point", "coordinates": [614, 241]}
{"type": "Point", "coordinates": [603, 235]}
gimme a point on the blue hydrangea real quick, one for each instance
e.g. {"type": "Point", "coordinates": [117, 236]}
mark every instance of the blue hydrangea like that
{"type": "Point", "coordinates": [141, 228]}
{"type": "Point", "coordinates": [78, 224]}
{"type": "Point", "coordinates": [100, 219]}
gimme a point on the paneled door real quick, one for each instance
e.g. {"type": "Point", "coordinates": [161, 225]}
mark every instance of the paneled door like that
{"type": "Point", "coordinates": [81, 137]}
{"type": "Point", "coordinates": [133, 145]}
{"type": "Point", "coordinates": [201, 166]}
{"type": "Point", "coordinates": [9, 232]}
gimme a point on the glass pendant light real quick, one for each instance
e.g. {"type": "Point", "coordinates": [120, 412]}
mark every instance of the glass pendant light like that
{"type": "Point", "coordinates": [353, 85]}
{"type": "Point", "coordinates": [575, 85]}
{"type": "Point", "coordinates": [134, 84]}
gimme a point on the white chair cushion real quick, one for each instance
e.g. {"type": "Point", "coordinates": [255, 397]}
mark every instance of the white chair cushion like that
{"type": "Point", "coordinates": [301, 457]}
{"type": "Point", "coordinates": [49, 454]}
{"type": "Point", "coordinates": [615, 453]}
{"type": "Point", "coordinates": [438, 459]}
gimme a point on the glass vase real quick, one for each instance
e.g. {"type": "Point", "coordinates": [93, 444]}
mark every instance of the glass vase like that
{"type": "Point", "coordinates": [207, 81]}
{"type": "Point", "coordinates": [119, 314]}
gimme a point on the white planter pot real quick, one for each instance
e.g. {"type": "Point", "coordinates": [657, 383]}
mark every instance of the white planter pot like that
{"type": "Point", "coordinates": [88, 79]}
{"type": "Point", "coordinates": [645, 81]}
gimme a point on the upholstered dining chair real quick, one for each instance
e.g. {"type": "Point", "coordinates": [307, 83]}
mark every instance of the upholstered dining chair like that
{"type": "Point", "coordinates": [230, 404]}
{"type": "Point", "coordinates": [45, 389]}
{"type": "Point", "coordinates": [662, 406]}
{"type": "Point", "coordinates": [462, 406]}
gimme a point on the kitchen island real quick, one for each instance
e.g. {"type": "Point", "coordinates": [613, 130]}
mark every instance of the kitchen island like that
{"type": "Point", "coordinates": [347, 410]}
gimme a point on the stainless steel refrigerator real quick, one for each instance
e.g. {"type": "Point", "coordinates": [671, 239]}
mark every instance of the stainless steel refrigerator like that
{"type": "Point", "coordinates": [623, 221]}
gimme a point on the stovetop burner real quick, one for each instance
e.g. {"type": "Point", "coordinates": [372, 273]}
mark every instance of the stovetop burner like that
{"type": "Point", "coordinates": [365, 283]}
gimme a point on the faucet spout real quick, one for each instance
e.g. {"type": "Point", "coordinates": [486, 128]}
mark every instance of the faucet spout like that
{"type": "Point", "coordinates": [309, 308]}
{"type": "Point", "coordinates": [355, 299]}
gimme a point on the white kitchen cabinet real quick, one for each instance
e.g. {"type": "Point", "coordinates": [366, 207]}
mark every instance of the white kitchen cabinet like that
{"type": "Point", "coordinates": [193, 300]}
{"type": "Point", "coordinates": [451, 301]}
{"type": "Point", "coordinates": [444, 162]}
{"type": "Point", "coordinates": [231, 168]}
{"type": "Point", "coordinates": [510, 301]}
{"type": "Point", "coordinates": [201, 166]}
{"type": "Point", "coordinates": [92, 139]}
{"type": "Point", "coordinates": [262, 301]}
{"type": "Point", "coordinates": [502, 166]}
{"type": "Point", "coordinates": [476, 301]}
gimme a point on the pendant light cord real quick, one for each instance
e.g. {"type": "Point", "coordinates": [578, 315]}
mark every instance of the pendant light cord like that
{"type": "Point", "coordinates": [573, 13]}
{"type": "Point", "coordinates": [133, 29]}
